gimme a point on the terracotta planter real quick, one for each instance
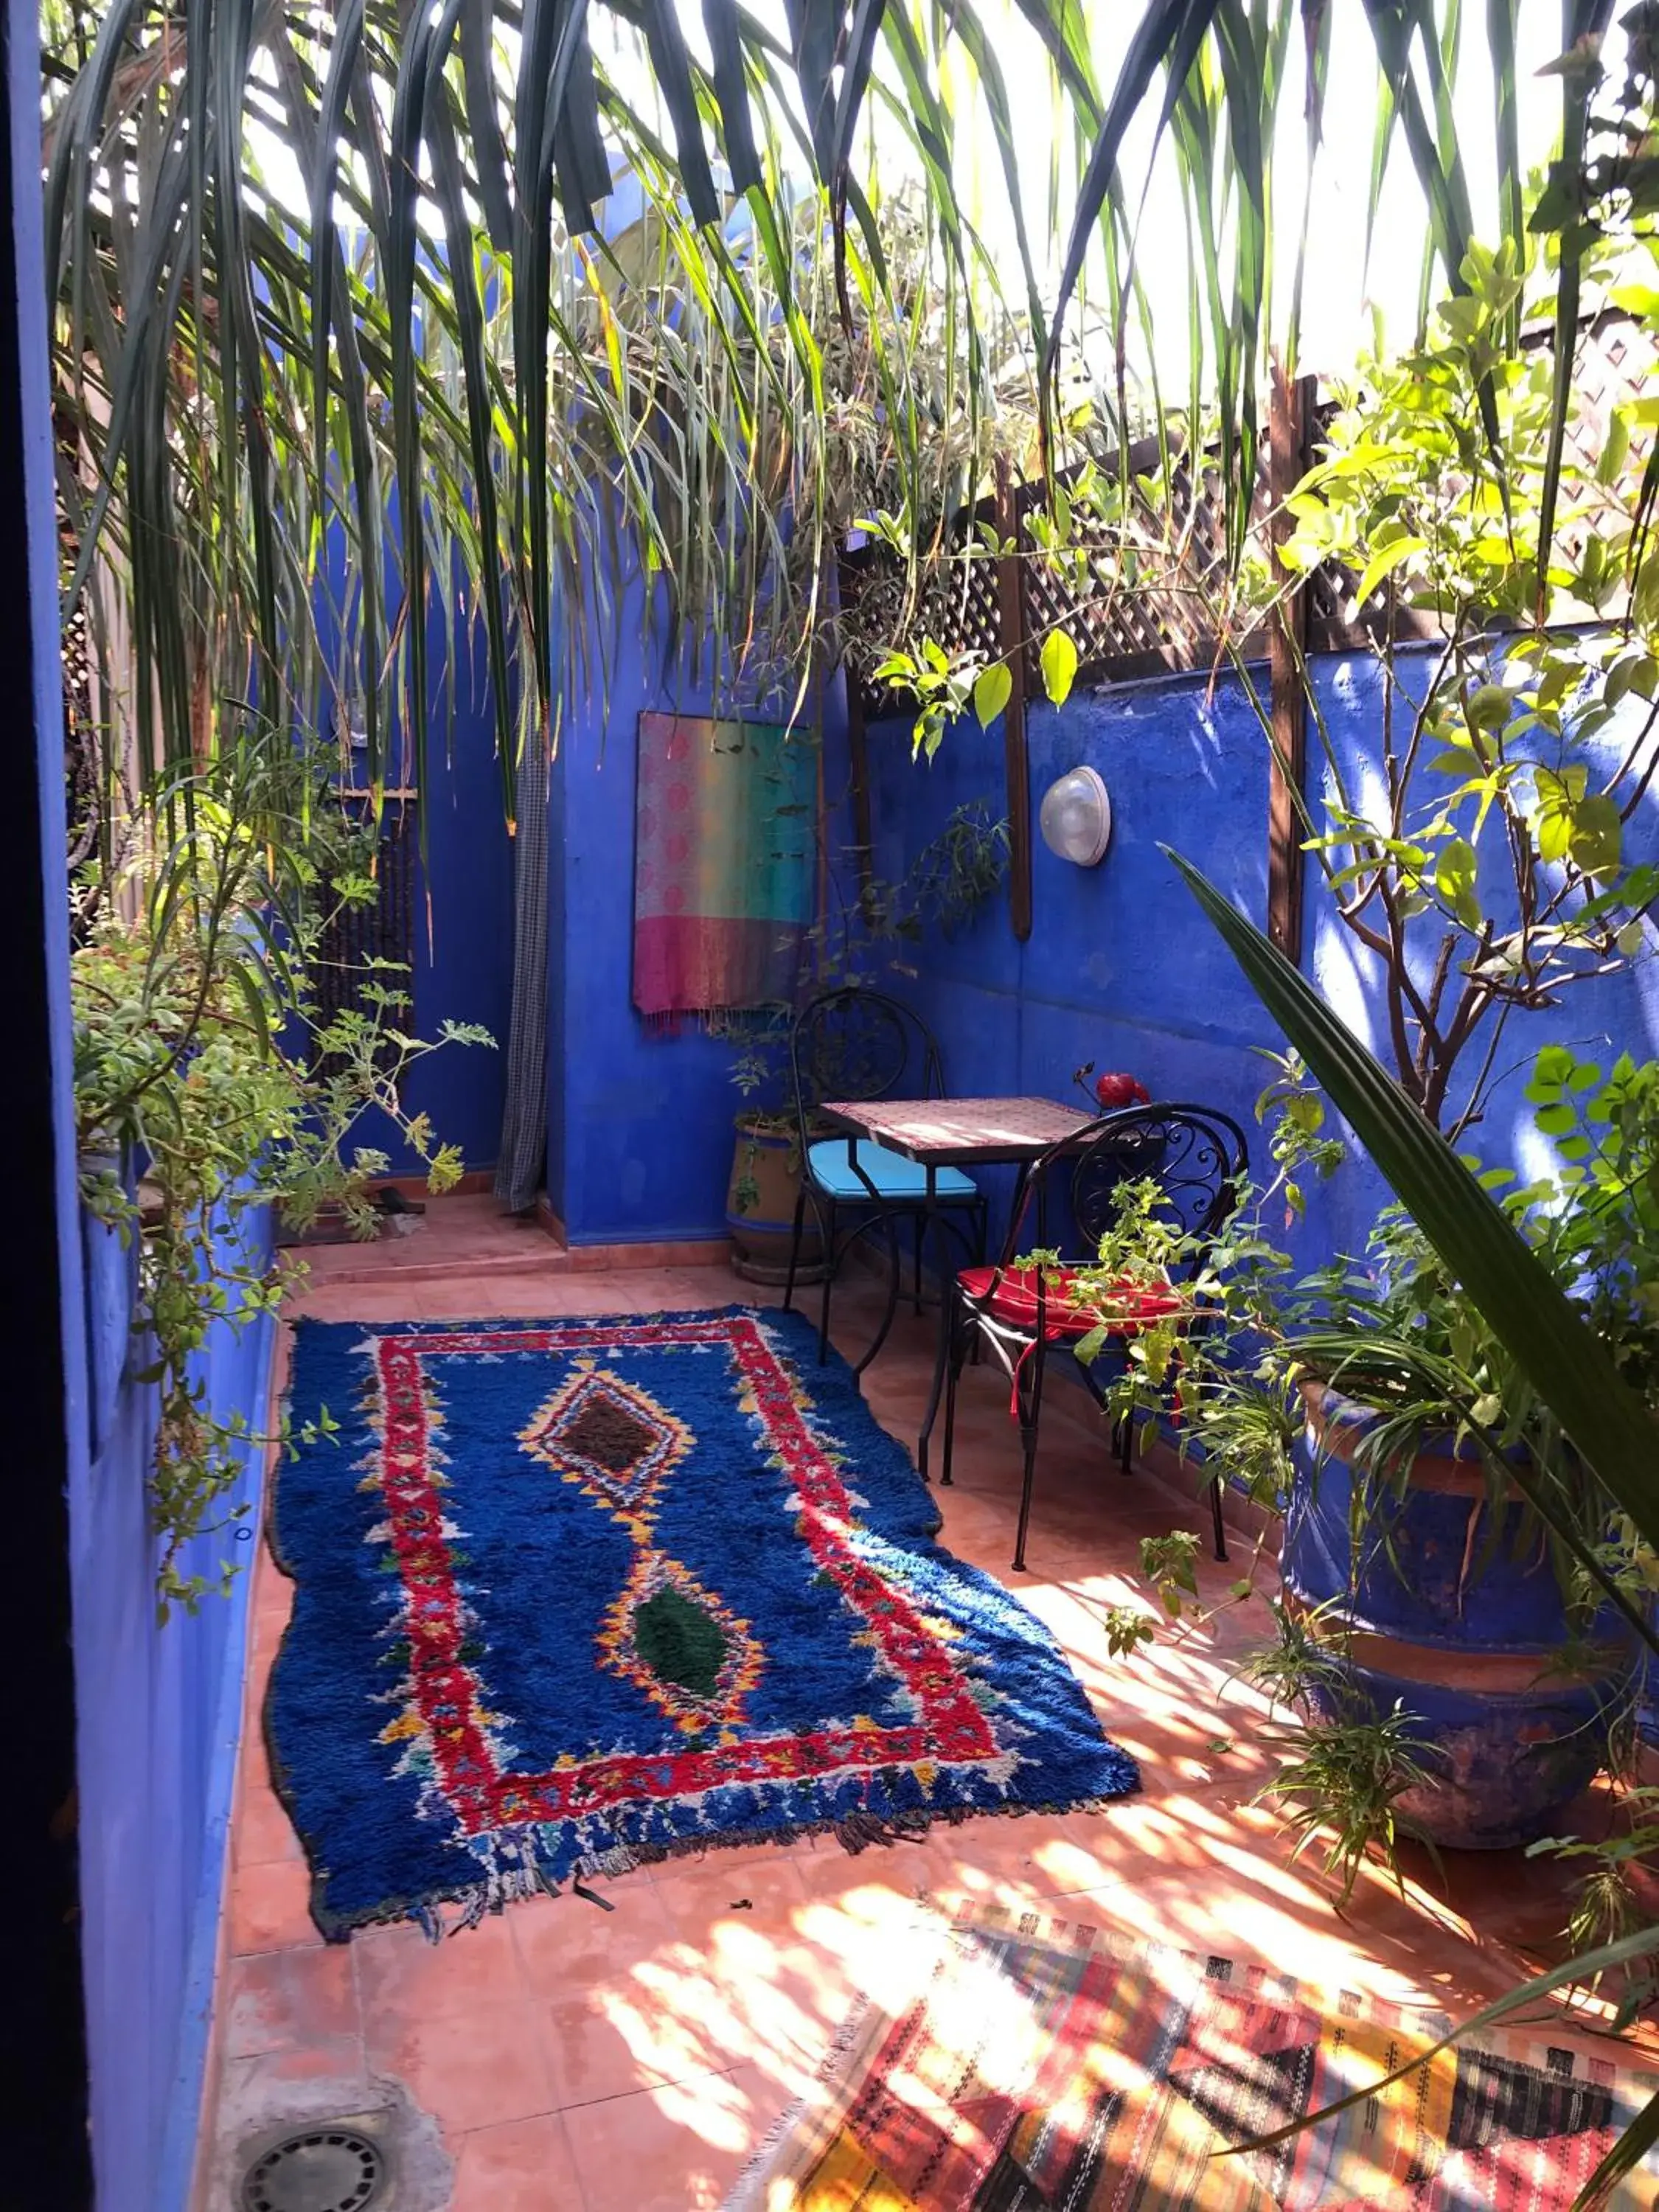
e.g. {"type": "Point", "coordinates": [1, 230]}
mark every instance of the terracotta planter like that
{"type": "Point", "coordinates": [1467, 1635]}
{"type": "Point", "coordinates": [760, 1207]}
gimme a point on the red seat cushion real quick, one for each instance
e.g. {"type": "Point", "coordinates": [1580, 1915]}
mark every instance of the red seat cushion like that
{"type": "Point", "coordinates": [1008, 1295]}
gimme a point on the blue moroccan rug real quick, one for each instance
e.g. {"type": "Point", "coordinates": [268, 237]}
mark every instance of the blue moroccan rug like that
{"type": "Point", "coordinates": [576, 1593]}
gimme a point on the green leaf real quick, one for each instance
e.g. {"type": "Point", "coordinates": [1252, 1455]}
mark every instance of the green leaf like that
{"type": "Point", "coordinates": [1489, 708]}
{"type": "Point", "coordinates": [1615, 446]}
{"type": "Point", "coordinates": [1383, 562]}
{"type": "Point", "coordinates": [1058, 660]}
{"type": "Point", "coordinates": [253, 998]}
{"type": "Point", "coordinates": [1454, 878]}
{"type": "Point", "coordinates": [1596, 838]}
{"type": "Point", "coordinates": [1584, 20]}
{"type": "Point", "coordinates": [993, 688]}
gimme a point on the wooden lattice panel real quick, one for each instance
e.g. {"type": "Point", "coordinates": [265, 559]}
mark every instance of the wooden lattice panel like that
{"type": "Point", "coordinates": [1125, 629]}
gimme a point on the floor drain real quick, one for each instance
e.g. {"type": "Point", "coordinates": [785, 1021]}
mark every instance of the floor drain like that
{"type": "Point", "coordinates": [327, 2169]}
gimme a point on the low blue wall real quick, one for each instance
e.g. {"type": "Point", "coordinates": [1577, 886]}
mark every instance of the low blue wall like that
{"type": "Point", "coordinates": [159, 1719]}
{"type": "Point", "coordinates": [1120, 967]}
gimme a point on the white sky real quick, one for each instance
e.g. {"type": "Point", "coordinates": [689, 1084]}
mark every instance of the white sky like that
{"type": "Point", "coordinates": [1341, 289]}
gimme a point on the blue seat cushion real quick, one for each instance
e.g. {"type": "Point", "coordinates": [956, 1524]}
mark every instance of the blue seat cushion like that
{"type": "Point", "coordinates": [893, 1175]}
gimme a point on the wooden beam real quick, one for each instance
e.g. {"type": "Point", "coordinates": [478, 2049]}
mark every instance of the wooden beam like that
{"type": "Point", "coordinates": [1017, 767]}
{"type": "Point", "coordinates": [1290, 425]}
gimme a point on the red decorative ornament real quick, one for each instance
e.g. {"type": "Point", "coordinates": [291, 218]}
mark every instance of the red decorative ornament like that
{"type": "Point", "coordinates": [1115, 1090]}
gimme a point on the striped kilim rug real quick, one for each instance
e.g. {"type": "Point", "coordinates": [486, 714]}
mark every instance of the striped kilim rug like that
{"type": "Point", "coordinates": [1046, 2065]}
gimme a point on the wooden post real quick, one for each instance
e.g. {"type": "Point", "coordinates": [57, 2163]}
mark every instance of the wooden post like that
{"type": "Point", "coordinates": [1010, 624]}
{"type": "Point", "coordinates": [1289, 424]}
{"type": "Point", "coordinates": [858, 766]}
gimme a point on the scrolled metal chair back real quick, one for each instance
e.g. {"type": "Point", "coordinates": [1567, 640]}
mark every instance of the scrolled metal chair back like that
{"type": "Point", "coordinates": [856, 1043]}
{"type": "Point", "coordinates": [1196, 1154]}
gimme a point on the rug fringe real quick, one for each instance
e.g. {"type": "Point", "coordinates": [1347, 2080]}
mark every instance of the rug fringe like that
{"type": "Point", "coordinates": [745, 2194]}
{"type": "Point", "coordinates": [856, 1832]}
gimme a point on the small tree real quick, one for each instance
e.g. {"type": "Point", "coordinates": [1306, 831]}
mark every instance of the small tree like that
{"type": "Point", "coordinates": [1477, 852]}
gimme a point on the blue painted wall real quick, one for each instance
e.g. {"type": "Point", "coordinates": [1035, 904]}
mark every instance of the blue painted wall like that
{"type": "Point", "coordinates": [158, 1721]}
{"type": "Point", "coordinates": [461, 913]}
{"type": "Point", "coordinates": [555, 1176]}
{"type": "Point", "coordinates": [640, 1125]}
{"type": "Point", "coordinates": [464, 964]}
{"type": "Point", "coordinates": [43, 2042]}
{"type": "Point", "coordinates": [1120, 967]}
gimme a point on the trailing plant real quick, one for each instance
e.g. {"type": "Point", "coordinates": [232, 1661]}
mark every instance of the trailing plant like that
{"type": "Point", "coordinates": [210, 1084]}
{"type": "Point", "coordinates": [950, 880]}
{"type": "Point", "coordinates": [1342, 1781]}
{"type": "Point", "coordinates": [1615, 1893]}
{"type": "Point", "coordinates": [246, 373]}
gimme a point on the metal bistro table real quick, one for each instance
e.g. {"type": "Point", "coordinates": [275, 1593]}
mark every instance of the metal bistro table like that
{"type": "Point", "coordinates": [957, 1132]}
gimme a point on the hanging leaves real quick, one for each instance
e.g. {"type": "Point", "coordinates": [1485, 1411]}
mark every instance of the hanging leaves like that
{"type": "Point", "coordinates": [1058, 661]}
{"type": "Point", "coordinates": [993, 688]}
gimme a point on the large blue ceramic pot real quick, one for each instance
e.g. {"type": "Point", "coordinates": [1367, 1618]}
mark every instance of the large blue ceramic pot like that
{"type": "Point", "coordinates": [1469, 1636]}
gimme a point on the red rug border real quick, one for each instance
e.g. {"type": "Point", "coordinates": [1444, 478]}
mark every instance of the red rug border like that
{"type": "Point", "coordinates": [450, 1696]}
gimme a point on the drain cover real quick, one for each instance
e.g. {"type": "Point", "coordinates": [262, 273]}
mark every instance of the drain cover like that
{"type": "Point", "coordinates": [319, 2170]}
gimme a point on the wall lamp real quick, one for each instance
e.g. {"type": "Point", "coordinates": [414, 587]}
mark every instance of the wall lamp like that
{"type": "Point", "coordinates": [1076, 818]}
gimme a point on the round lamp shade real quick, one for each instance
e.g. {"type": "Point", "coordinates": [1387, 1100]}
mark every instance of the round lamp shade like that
{"type": "Point", "coordinates": [1076, 818]}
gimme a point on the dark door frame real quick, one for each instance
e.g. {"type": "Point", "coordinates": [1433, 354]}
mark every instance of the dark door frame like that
{"type": "Point", "coordinates": [43, 2046]}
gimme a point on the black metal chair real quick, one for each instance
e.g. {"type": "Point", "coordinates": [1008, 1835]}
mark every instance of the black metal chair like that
{"type": "Point", "coordinates": [855, 1043]}
{"type": "Point", "coordinates": [1024, 1316]}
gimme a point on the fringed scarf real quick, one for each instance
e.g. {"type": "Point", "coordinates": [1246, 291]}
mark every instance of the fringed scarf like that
{"type": "Point", "coordinates": [724, 865]}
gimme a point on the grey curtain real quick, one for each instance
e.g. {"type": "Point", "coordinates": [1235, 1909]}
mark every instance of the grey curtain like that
{"type": "Point", "coordinates": [524, 1122]}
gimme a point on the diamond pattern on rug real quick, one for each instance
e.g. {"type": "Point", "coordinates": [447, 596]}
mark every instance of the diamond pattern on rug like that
{"type": "Point", "coordinates": [613, 1440]}
{"type": "Point", "coordinates": [674, 1640]}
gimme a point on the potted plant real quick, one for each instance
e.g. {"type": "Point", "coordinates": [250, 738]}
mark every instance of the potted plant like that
{"type": "Point", "coordinates": [764, 1185]}
{"type": "Point", "coordinates": [1418, 1577]}
{"type": "Point", "coordinates": [946, 884]}
{"type": "Point", "coordinates": [1454, 1630]}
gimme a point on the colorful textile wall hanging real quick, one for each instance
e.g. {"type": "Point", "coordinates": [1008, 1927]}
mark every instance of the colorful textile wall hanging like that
{"type": "Point", "coordinates": [724, 865]}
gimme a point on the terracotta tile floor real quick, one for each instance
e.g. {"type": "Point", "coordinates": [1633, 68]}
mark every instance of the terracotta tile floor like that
{"type": "Point", "coordinates": [577, 2060]}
